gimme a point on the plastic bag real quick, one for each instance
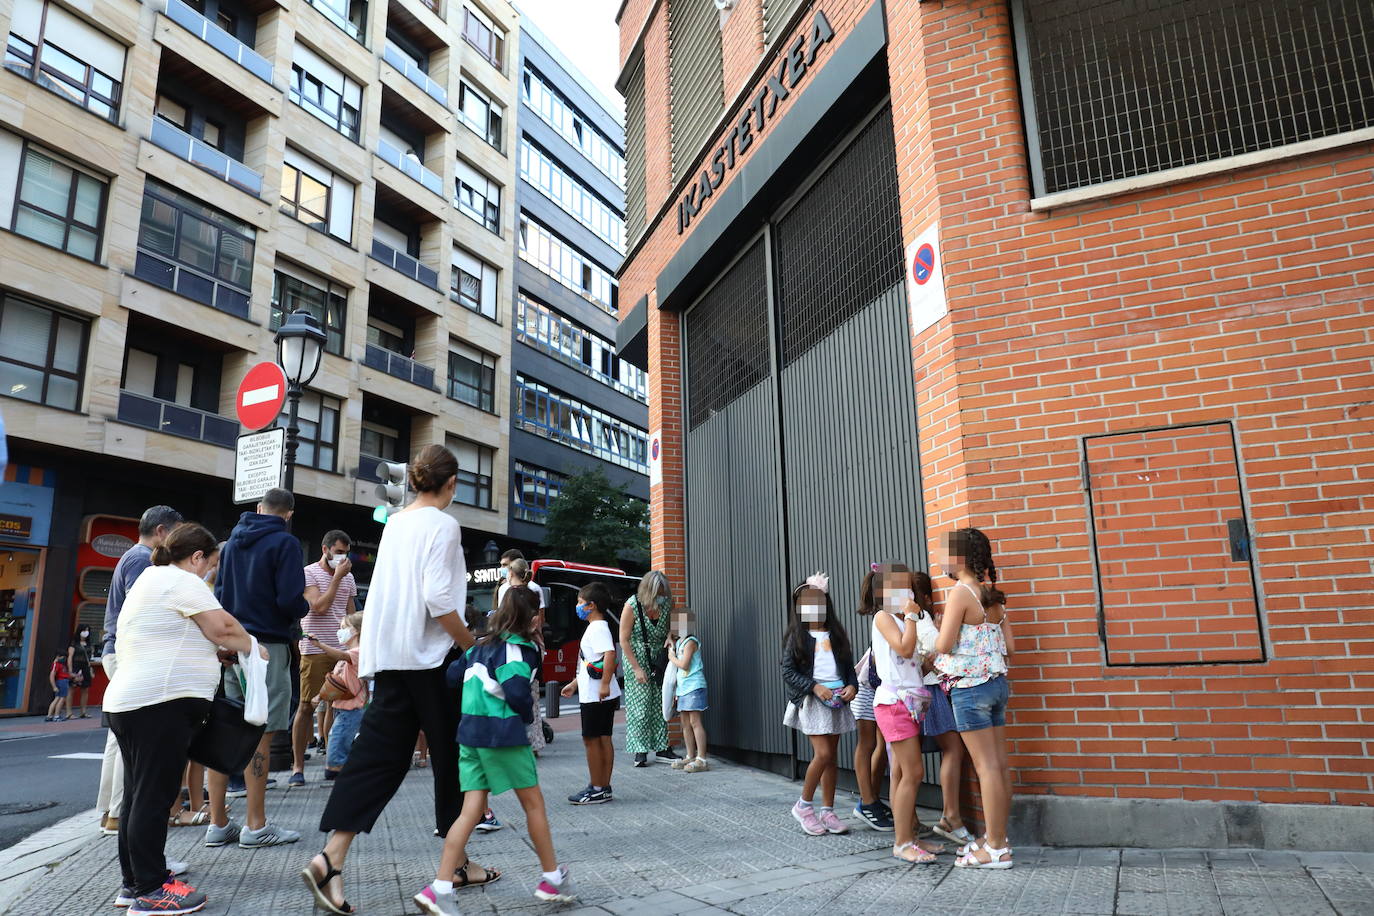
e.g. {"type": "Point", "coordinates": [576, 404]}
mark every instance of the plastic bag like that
{"type": "Point", "coordinates": [669, 692]}
{"type": "Point", "coordinates": [253, 670]}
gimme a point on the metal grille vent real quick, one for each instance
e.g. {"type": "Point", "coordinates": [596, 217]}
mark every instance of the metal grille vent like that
{"type": "Point", "coordinates": [727, 338]}
{"type": "Point", "coordinates": [634, 157]}
{"type": "Point", "coordinates": [775, 15]}
{"type": "Point", "coordinates": [695, 79]}
{"type": "Point", "coordinates": [840, 247]}
{"type": "Point", "coordinates": [1126, 87]}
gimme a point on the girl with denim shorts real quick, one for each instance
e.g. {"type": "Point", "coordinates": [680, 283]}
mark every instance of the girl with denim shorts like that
{"type": "Point", "coordinates": [974, 642]}
{"type": "Point", "coordinates": [684, 652]}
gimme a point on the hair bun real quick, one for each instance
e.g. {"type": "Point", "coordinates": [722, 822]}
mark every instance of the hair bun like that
{"type": "Point", "coordinates": [431, 468]}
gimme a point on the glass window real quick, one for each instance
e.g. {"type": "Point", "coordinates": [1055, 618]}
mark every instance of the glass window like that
{"type": "Point", "coordinates": [318, 419]}
{"type": "Point", "coordinates": [193, 249]}
{"type": "Point", "coordinates": [59, 205]}
{"type": "Point", "coordinates": [472, 284]}
{"type": "Point", "coordinates": [479, 197]}
{"type": "Point", "coordinates": [472, 377]}
{"type": "Point", "coordinates": [540, 170]}
{"type": "Point", "coordinates": [327, 302]}
{"type": "Point", "coordinates": [474, 472]}
{"type": "Point", "coordinates": [386, 336]}
{"type": "Point", "coordinates": [349, 15]}
{"type": "Point", "coordinates": [566, 264]}
{"type": "Point", "coordinates": [42, 353]}
{"type": "Point", "coordinates": [480, 114]}
{"type": "Point", "coordinates": [533, 490]}
{"type": "Point", "coordinates": [71, 58]}
{"type": "Point", "coordinates": [305, 198]}
{"type": "Point", "coordinates": [554, 415]}
{"type": "Point", "coordinates": [485, 37]}
{"type": "Point", "coordinates": [544, 329]}
{"type": "Point", "coordinates": [560, 114]}
{"type": "Point", "coordinates": [325, 92]}
{"type": "Point", "coordinates": [380, 442]}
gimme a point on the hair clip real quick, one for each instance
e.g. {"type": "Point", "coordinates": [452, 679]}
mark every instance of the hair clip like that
{"type": "Point", "coordinates": [819, 580]}
{"type": "Point", "coordinates": [874, 566]}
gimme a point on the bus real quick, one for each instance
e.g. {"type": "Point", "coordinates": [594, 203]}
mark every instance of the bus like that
{"type": "Point", "coordinates": [560, 582]}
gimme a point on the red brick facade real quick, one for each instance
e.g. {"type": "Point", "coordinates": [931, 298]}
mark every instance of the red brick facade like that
{"type": "Point", "coordinates": [1239, 305]}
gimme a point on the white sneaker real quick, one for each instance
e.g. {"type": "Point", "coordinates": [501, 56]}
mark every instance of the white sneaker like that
{"type": "Point", "coordinates": [178, 868]}
{"type": "Point", "coordinates": [267, 835]}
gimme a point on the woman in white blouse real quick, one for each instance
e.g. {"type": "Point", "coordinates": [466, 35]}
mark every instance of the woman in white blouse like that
{"type": "Point", "coordinates": [171, 634]}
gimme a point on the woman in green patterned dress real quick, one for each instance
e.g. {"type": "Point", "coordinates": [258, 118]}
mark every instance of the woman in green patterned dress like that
{"type": "Point", "coordinates": [643, 632]}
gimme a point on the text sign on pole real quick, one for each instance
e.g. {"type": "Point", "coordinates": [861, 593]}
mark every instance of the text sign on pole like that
{"type": "Point", "coordinates": [260, 396]}
{"type": "Point", "coordinates": [258, 464]}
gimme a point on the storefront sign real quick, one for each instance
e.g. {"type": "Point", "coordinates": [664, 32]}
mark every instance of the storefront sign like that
{"type": "Point", "coordinates": [111, 545]}
{"type": "Point", "coordinates": [757, 117]}
{"type": "Point", "coordinates": [16, 526]}
{"type": "Point", "coordinates": [484, 575]}
{"type": "Point", "coordinates": [25, 511]}
{"type": "Point", "coordinates": [258, 464]}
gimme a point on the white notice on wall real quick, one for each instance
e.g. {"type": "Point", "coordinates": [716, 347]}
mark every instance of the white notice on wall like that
{"type": "Point", "coordinates": [655, 458]}
{"type": "Point", "coordinates": [925, 279]}
{"type": "Point", "coordinates": [258, 464]}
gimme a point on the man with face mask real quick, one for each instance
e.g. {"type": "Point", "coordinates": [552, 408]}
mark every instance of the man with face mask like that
{"type": "Point", "coordinates": [330, 591]}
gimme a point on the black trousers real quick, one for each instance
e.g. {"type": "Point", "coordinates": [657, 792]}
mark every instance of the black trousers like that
{"type": "Point", "coordinates": [153, 742]}
{"type": "Point", "coordinates": [404, 703]}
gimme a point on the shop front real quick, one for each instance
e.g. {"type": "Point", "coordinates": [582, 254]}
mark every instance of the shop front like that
{"type": "Point", "coordinates": [26, 499]}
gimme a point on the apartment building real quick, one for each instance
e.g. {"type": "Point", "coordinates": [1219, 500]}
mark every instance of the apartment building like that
{"type": "Point", "coordinates": [1092, 276]}
{"type": "Point", "coordinates": [574, 403]}
{"type": "Point", "coordinates": [177, 175]}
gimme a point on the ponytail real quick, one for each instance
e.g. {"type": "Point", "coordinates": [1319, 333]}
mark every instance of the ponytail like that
{"type": "Point", "coordinates": [186, 540]}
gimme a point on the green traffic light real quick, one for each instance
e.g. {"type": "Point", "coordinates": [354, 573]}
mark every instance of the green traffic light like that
{"type": "Point", "coordinates": [379, 514]}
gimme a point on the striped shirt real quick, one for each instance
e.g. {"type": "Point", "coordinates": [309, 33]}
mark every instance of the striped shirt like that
{"type": "Point", "coordinates": [162, 653]}
{"type": "Point", "coordinates": [497, 700]}
{"type": "Point", "coordinates": [325, 627]}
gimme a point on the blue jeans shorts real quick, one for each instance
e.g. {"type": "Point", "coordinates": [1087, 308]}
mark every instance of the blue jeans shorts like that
{"type": "Point", "coordinates": [692, 700]}
{"type": "Point", "coordinates": [984, 706]}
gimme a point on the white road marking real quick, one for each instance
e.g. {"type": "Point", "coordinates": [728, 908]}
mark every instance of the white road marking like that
{"type": "Point", "coordinates": [79, 755]}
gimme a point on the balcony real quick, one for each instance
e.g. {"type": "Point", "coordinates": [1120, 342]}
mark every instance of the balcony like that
{"type": "Point", "coordinates": [392, 55]}
{"type": "Point", "coordinates": [398, 366]}
{"type": "Point", "coordinates": [405, 264]}
{"type": "Point", "coordinates": [175, 420]}
{"type": "Point", "coordinates": [410, 166]}
{"type": "Point", "coordinates": [197, 152]}
{"type": "Point", "coordinates": [185, 281]}
{"type": "Point", "coordinates": [220, 40]}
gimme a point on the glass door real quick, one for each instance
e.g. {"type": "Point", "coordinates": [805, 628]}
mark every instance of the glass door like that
{"type": "Point", "coordinates": [19, 577]}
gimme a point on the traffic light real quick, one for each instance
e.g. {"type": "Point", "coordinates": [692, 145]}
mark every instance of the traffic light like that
{"type": "Point", "coordinates": [392, 489]}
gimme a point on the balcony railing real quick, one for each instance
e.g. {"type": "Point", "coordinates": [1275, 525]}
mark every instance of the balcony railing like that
{"type": "Point", "coordinates": [392, 55]}
{"type": "Point", "coordinates": [404, 263]}
{"type": "Point", "coordinates": [220, 40]}
{"type": "Point", "coordinates": [354, 30]}
{"type": "Point", "coordinates": [410, 165]}
{"type": "Point", "coordinates": [398, 366]}
{"type": "Point", "coordinates": [166, 417]}
{"type": "Point", "coordinates": [197, 152]}
{"type": "Point", "coordinates": [191, 283]}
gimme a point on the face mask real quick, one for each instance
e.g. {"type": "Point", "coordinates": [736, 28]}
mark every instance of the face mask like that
{"type": "Point", "coordinates": [504, 572]}
{"type": "Point", "coordinates": [584, 611]}
{"type": "Point", "coordinates": [344, 635]}
{"type": "Point", "coordinates": [811, 614]}
{"type": "Point", "coordinates": [335, 559]}
{"type": "Point", "coordinates": [897, 599]}
{"type": "Point", "coordinates": [85, 634]}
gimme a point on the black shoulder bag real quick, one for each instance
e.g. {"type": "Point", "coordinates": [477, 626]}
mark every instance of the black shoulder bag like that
{"type": "Point", "coordinates": [658, 661]}
{"type": "Point", "coordinates": [225, 742]}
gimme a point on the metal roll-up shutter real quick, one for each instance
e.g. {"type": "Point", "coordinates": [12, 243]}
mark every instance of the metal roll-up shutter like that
{"type": "Point", "coordinates": [695, 81]}
{"type": "Point", "coordinates": [775, 16]}
{"type": "Point", "coordinates": [635, 217]}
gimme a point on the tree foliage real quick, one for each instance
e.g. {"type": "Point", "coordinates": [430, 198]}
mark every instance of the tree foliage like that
{"type": "Point", "coordinates": [593, 521]}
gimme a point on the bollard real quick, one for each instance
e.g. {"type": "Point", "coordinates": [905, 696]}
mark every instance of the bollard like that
{"type": "Point", "coordinates": [551, 699]}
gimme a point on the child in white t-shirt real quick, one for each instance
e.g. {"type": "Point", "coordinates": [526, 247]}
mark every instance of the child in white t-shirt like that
{"type": "Point", "coordinates": [598, 692]}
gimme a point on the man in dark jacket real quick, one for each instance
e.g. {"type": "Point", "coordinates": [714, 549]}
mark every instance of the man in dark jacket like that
{"type": "Point", "coordinates": [261, 581]}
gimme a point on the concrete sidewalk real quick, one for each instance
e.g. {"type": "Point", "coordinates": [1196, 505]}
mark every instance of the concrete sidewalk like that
{"type": "Point", "coordinates": [721, 841]}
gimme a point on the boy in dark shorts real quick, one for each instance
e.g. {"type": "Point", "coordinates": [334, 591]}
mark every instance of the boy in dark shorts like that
{"type": "Point", "coordinates": [598, 692]}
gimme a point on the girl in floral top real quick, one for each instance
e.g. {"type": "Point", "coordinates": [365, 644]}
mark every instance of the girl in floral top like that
{"type": "Point", "coordinates": [975, 639]}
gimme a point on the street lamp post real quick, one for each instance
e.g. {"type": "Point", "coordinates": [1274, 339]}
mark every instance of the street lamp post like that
{"type": "Point", "coordinates": [300, 343]}
{"type": "Point", "coordinates": [491, 553]}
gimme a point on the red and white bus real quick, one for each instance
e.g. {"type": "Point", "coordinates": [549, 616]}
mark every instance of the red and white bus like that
{"type": "Point", "coordinates": [560, 581]}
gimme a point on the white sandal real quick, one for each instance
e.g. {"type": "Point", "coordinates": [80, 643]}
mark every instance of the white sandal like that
{"type": "Point", "coordinates": [970, 860]}
{"type": "Point", "coordinates": [959, 835]}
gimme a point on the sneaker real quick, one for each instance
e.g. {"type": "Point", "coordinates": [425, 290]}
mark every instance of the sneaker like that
{"type": "Point", "coordinates": [220, 836]}
{"type": "Point", "coordinates": [808, 820]}
{"type": "Point", "coordinates": [873, 816]}
{"type": "Point", "coordinates": [176, 869]}
{"type": "Point", "coordinates": [668, 754]}
{"type": "Point", "coordinates": [831, 821]}
{"type": "Point", "coordinates": [489, 823]}
{"type": "Point", "coordinates": [171, 899]}
{"type": "Point", "coordinates": [591, 796]}
{"type": "Point", "coordinates": [267, 835]}
{"type": "Point", "coordinates": [109, 826]}
{"type": "Point", "coordinates": [562, 892]}
{"type": "Point", "coordinates": [697, 765]}
{"type": "Point", "coordinates": [330, 774]}
{"type": "Point", "coordinates": [641, 760]}
{"type": "Point", "coordinates": [297, 779]}
{"type": "Point", "coordinates": [436, 904]}
{"type": "Point", "coordinates": [125, 898]}
{"type": "Point", "coordinates": [237, 787]}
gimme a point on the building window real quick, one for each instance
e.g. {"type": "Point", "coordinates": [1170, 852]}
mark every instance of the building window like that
{"type": "Point", "coordinates": [387, 336]}
{"type": "Point", "coordinates": [322, 89]}
{"type": "Point", "coordinates": [473, 284]}
{"type": "Point", "coordinates": [566, 264]}
{"type": "Point", "coordinates": [479, 197]}
{"type": "Point", "coordinates": [380, 441]}
{"type": "Point", "coordinates": [482, 116]}
{"type": "Point", "coordinates": [474, 472]}
{"type": "Point", "coordinates": [1138, 88]}
{"type": "Point", "coordinates": [571, 124]}
{"type": "Point", "coordinates": [540, 170]}
{"type": "Point", "coordinates": [472, 376]}
{"type": "Point", "coordinates": [66, 55]}
{"type": "Point", "coordinates": [42, 353]}
{"type": "Point", "coordinates": [316, 196]}
{"type": "Point", "coordinates": [326, 301]}
{"type": "Point", "coordinates": [56, 203]}
{"type": "Point", "coordinates": [482, 34]}
{"type": "Point", "coordinates": [636, 215]}
{"type": "Point", "coordinates": [533, 490]}
{"type": "Point", "coordinates": [554, 415]}
{"type": "Point", "coordinates": [319, 437]}
{"type": "Point", "coordinates": [194, 250]}
{"type": "Point", "coordinates": [349, 15]}
{"type": "Point", "coordinates": [544, 329]}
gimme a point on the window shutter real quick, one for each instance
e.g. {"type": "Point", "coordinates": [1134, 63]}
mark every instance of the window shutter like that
{"type": "Point", "coordinates": [694, 77]}
{"type": "Point", "coordinates": [775, 16]}
{"type": "Point", "coordinates": [635, 216]}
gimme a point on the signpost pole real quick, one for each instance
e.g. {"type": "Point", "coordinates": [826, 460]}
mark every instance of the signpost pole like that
{"type": "Point", "coordinates": [293, 396]}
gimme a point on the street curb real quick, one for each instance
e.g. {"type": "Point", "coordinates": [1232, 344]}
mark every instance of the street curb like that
{"type": "Point", "coordinates": [27, 862]}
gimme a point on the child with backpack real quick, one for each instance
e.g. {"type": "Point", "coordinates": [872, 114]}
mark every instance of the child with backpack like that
{"type": "Point", "coordinates": [598, 693]}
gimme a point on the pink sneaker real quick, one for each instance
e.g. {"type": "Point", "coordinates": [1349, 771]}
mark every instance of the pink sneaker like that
{"type": "Point", "coordinates": [808, 820]}
{"type": "Point", "coordinates": [831, 822]}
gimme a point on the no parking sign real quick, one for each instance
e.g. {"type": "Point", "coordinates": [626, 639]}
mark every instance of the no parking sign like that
{"type": "Point", "coordinates": [655, 458]}
{"type": "Point", "coordinates": [925, 281]}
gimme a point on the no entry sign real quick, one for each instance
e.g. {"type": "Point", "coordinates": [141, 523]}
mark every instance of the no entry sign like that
{"type": "Point", "coordinates": [260, 396]}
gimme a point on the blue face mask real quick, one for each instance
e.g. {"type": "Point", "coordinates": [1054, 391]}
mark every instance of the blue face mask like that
{"type": "Point", "coordinates": [584, 611]}
{"type": "Point", "coordinates": [505, 571]}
